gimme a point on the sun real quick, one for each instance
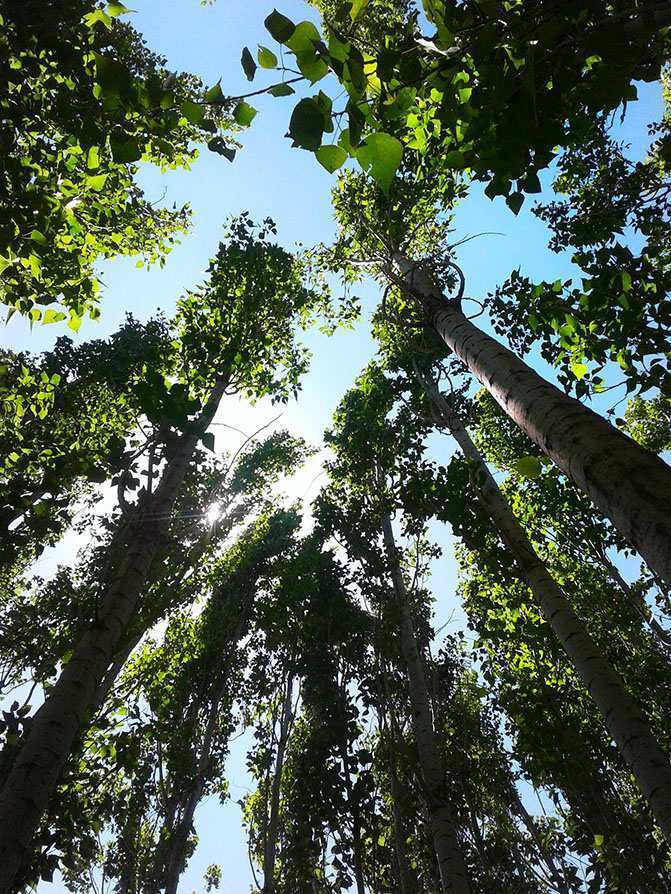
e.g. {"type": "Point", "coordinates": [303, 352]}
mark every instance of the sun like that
{"type": "Point", "coordinates": [213, 514]}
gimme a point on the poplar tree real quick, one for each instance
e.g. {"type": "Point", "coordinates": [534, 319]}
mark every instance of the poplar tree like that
{"type": "Point", "coordinates": [234, 334]}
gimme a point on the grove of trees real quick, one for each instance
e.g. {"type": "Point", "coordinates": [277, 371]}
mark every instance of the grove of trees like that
{"type": "Point", "coordinates": [528, 752]}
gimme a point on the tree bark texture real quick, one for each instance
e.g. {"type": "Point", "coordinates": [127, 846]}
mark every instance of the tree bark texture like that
{"type": "Point", "coordinates": [628, 484]}
{"type": "Point", "coordinates": [57, 723]}
{"type": "Point", "coordinates": [624, 722]}
{"type": "Point", "coordinates": [451, 864]}
{"type": "Point", "coordinates": [270, 843]}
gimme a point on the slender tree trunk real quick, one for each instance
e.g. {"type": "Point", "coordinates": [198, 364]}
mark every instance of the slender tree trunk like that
{"type": "Point", "coordinates": [407, 879]}
{"type": "Point", "coordinates": [638, 602]}
{"type": "Point", "coordinates": [519, 810]}
{"type": "Point", "coordinates": [180, 834]}
{"type": "Point", "coordinates": [631, 733]}
{"type": "Point", "coordinates": [192, 559]}
{"type": "Point", "coordinates": [270, 843]}
{"type": "Point", "coordinates": [56, 724]}
{"type": "Point", "coordinates": [175, 858]}
{"type": "Point", "coordinates": [351, 802]}
{"type": "Point", "coordinates": [453, 875]}
{"type": "Point", "coordinates": [118, 661]}
{"type": "Point", "coordinates": [630, 485]}
{"type": "Point", "coordinates": [407, 882]}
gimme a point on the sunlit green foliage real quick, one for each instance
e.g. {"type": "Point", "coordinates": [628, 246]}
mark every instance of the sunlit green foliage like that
{"type": "Point", "coordinates": [84, 101]}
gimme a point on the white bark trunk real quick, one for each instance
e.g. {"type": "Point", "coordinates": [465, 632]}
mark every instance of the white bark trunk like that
{"type": "Point", "coordinates": [56, 724]}
{"type": "Point", "coordinates": [631, 733]}
{"type": "Point", "coordinates": [630, 486]}
{"type": "Point", "coordinates": [450, 858]}
{"type": "Point", "coordinates": [270, 844]}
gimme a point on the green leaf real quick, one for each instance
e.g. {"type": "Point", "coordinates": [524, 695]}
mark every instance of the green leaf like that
{"type": "Point", "coordinates": [626, 280]}
{"type": "Point", "coordinates": [52, 316]}
{"type": "Point", "coordinates": [497, 187]}
{"type": "Point", "coordinates": [304, 38]}
{"type": "Point", "coordinates": [38, 237]}
{"type": "Point", "coordinates": [113, 77]}
{"type": "Point", "coordinates": [117, 9]}
{"type": "Point", "coordinates": [93, 158]}
{"type": "Point", "coordinates": [306, 126]}
{"type": "Point", "coordinates": [311, 66]}
{"type": "Point", "coordinates": [531, 184]}
{"type": "Point", "coordinates": [215, 94]}
{"type": "Point", "coordinates": [248, 64]}
{"type": "Point", "coordinates": [221, 147]}
{"type": "Point", "coordinates": [192, 111]}
{"type": "Point", "coordinates": [91, 19]}
{"type": "Point", "coordinates": [331, 157]}
{"type": "Point", "coordinates": [357, 8]}
{"type": "Point", "coordinates": [96, 183]}
{"type": "Point", "coordinates": [578, 370]}
{"type": "Point", "coordinates": [598, 841]}
{"type": "Point", "coordinates": [244, 114]}
{"type": "Point", "coordinates": [528, 466]}
{"type": "Point", "coordinates": [338, 49]}
{"type": "Point", "coordinates": [455, 159]}
{"type": "Point", "coordinates": [208, 440]}
{"type": "Point", "coordinates": [266, 57]}
{"type": "Point", "coordinates": [381, 155]}
{"type": "Point", "coordinates": [75, 321]}
{"type": "Point", "coordinates": [356, 121]}
{"type": "Point", "coordinates": [281, 90]}
{"type": "Point", "coordinates": [125, 151]}
{"type": "Point", "coordinates": [343, 140]}
{"type": "Point", "coordinates": [515, 201]}
{"type": "Point", "coordinates": [279, 26]}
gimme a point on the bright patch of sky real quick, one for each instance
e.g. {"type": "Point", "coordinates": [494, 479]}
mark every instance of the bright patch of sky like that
{"type": "Point", "coordinates": [269, 178]}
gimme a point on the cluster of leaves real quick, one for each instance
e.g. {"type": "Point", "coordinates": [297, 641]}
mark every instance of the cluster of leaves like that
{"type": "Point", "coordinates": [489, 91]}
{"type": "Point", "coordinates": [620, 312]}
{"type": "Point", "coordinates": [83, 102]}
{"type": "Point", "coordinates": [66, 422]}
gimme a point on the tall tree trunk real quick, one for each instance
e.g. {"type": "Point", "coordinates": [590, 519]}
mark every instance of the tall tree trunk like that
{"type": "Point", "coordinates": [193, 557]}
{"type": "Point", "coordinates": [270, 843]}
{"type": "Point", "coordinates": [662, 636]}
{"type": "Point", "coordinates": [179, 838]}
{"type": "Point", "coordinates": [119, 659]}
{"type": "Point", "coordinates": [351, 800]}
{"type": "Point", "coordinates": [407, 879]}
{"type": "Point", "coordinates": [630, 485]}
{"type": "Point", "coordinates": [56, 724]}
{"type": "Point", "coordinates": [175, 859]}
{"type": "Point", "coordinates": [631, 733]}
{"type": "Point", "coordinates": [453, 875]}
{"type": "Point", "coordinates": [518, 809]}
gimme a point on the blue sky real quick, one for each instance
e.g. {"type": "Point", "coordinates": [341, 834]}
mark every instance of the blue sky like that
{"type": "Point", "coordinates": [269, 178]}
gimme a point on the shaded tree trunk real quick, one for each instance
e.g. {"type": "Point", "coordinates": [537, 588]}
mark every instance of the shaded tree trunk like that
{"type": "Point", "coordinates": [629, 485]}
{"type": "Point", "coordinates": [451, 864]}
{"type": "Point", "coordinates": [519, 810]}
{"type": "Point", "coordinates": [270, 843]}
{"type": "Point", "coordinates": [351, 799]}
{"type": "Point", "coordinates": [662, 636]}
{"type": "Point", "coordinates": [175, 858]}
{"type": "Point", "coordinates": [119, 659]}
{"type": "Point", "coordinates": [624, 722]}
{"type": "Point", "coordinates": [57, 723]}
{"type": "Point", "coordinates": [407, 879]}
